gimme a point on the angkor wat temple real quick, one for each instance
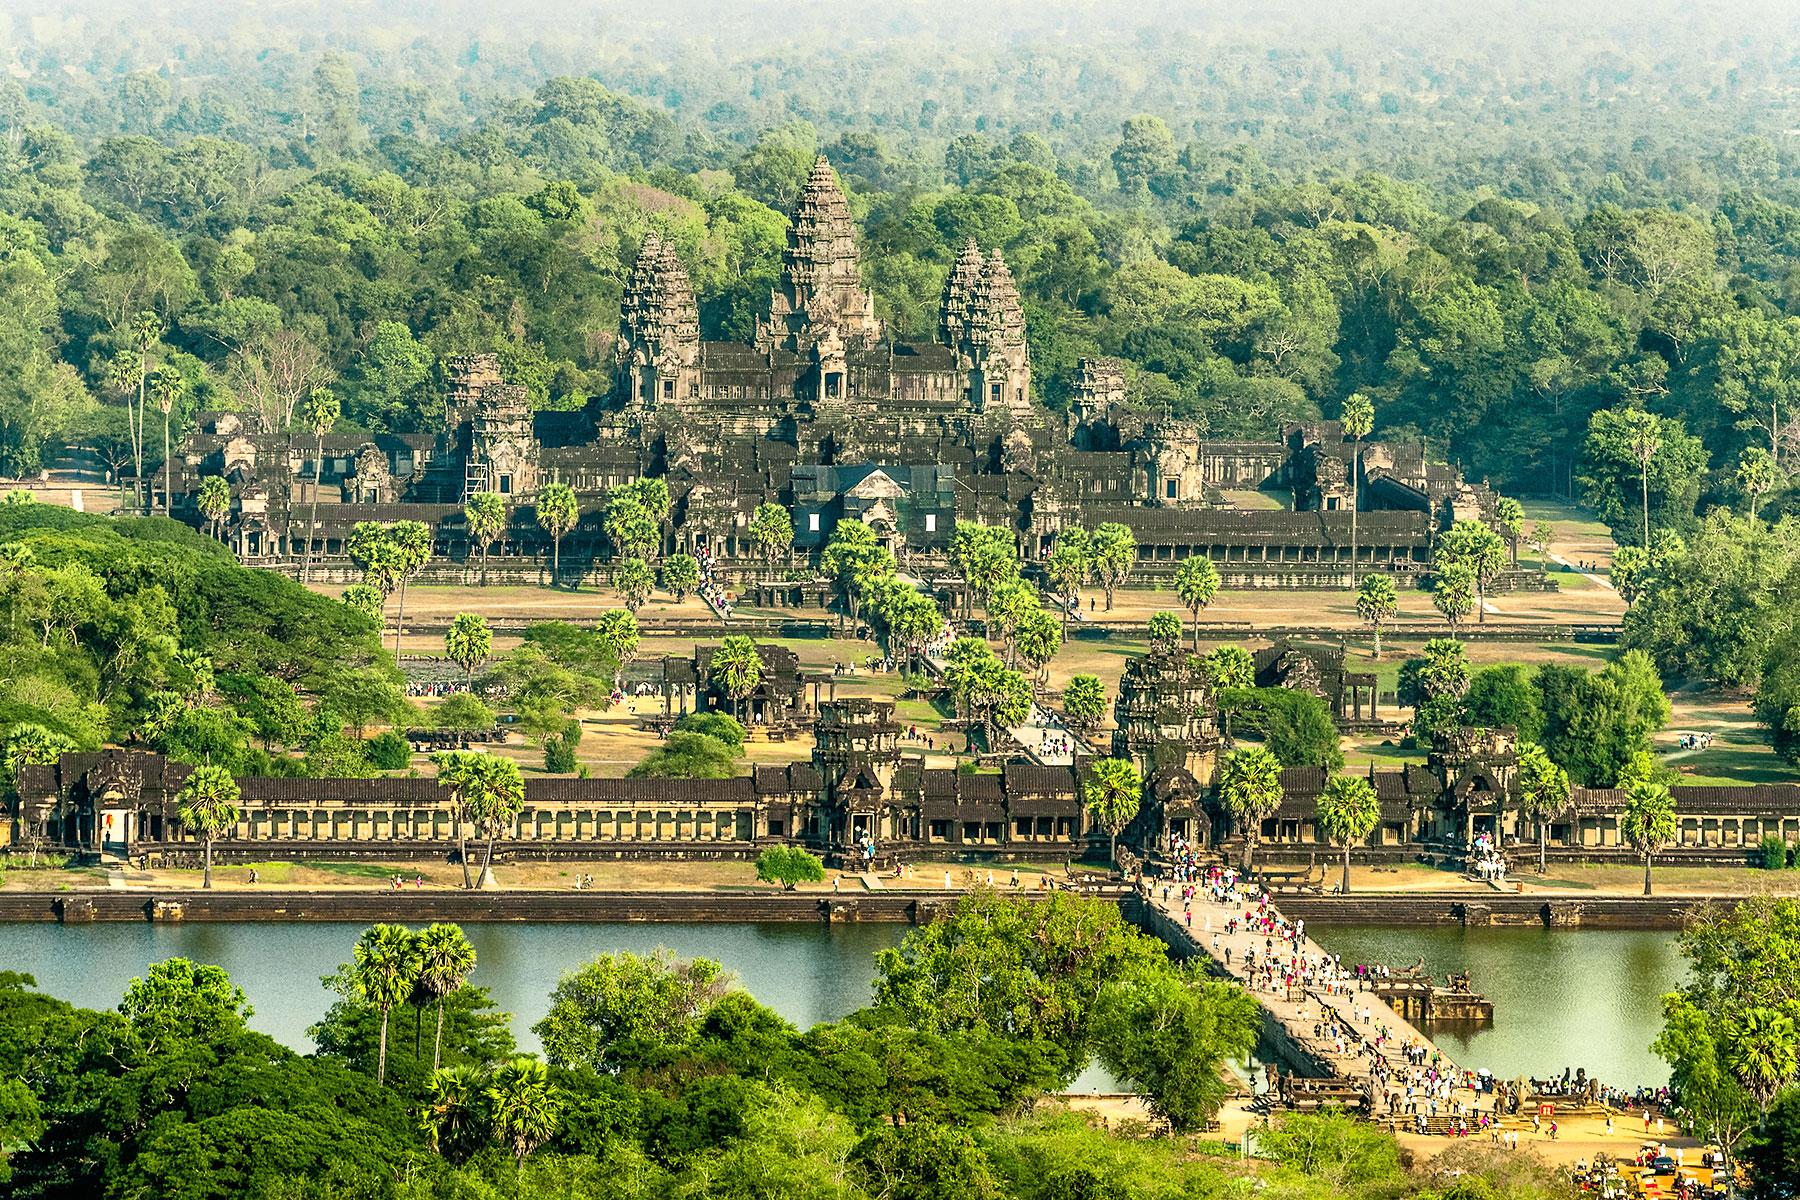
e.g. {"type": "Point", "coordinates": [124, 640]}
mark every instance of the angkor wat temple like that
{"type": "Point", "coordinates": [829, 415]}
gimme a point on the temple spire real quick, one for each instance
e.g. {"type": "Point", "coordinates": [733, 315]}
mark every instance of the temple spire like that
{"type": "Point", "coordinates": [821, 297]}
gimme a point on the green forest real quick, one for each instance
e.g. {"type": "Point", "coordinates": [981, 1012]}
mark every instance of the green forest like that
{"type": "Point", "coordinates": [253, 210]}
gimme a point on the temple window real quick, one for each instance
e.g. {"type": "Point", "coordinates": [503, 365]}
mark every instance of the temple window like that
{"type": "Point", "coordinates": [1169, 489]}
{"type": "Point", "coordinates": [834, 384]}
{"type": "Point", "coordinates": [812, 522]}
{"type": "Point", "coordinates": [930, 522]}
{"type": "Point", "coordinates": [506, 485]}
{"type": "Point", "coordinates": [994, 393]}
{"type": "Point", "coordinates": [668, 389]}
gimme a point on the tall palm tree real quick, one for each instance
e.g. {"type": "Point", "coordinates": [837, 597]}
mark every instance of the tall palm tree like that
{"type": "Point", "coordinates": [146, 332]}
{"type": "Point", "coordinates": [121, 379]}
{"type": "Point", "coordinates": [167, 389]}
{"type": "Point", "coordinates": [208, 805]}
{"type": "Point", "coordinates": [385, 965]}
{"type": "Point", "coordinates": [456, 774]}
{"type": "Point", "coordinates": [320, 410]}
{"type": "Point", "coordinates": [445, 960]}
{"type": "Point", "coordinates": [496, 796]}
{"type": "Point", "coordinates": [214, 502]}
{"type": "Point", "coordinates": [1113, 795]}
{"type": "Point", "coordinates": [1357, 419]}
{"type": "Point", "coordinates": [523, 1106]}
{"type": "Point", "coordinates": [412, 550]}
{"type": "Point", "coordinates": [1347, 814]}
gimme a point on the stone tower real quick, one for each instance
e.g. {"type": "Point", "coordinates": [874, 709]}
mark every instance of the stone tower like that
{"type": "Point", "coordinates": [959, 296]}
{"type": "Point", "coordinates": [856, 750]}
{"type": "Point", "coordinates": [659, 329]}
{"type": "Point", "coordinates": [1096, 394]}
{"type": "Point", "coordinates": [821, 308]}
{"type": "Point", "coordinates": [467, 375]}
{"type": "Point", "coordinates": [994, 341]}
{"type": "Point", "coordinates": [1165, 715]}
{"type": "Point", "coordinates": [503, 447]}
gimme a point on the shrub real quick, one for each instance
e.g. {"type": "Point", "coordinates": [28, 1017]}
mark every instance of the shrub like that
{"type": "Point", "coordinates": [559, 755]}
{"type": "Point", "coordinates": [789, 866]}
{"type": "Point", "coordinates": [462, 710]}
{"type": "Point", "coordinates": [722, 726]}
{"type": "Point", "coordinates": [388, 752]}
{"type": "Point", "coordinates": [1773, 853]}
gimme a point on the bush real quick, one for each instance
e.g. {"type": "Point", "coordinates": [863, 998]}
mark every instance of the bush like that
{"type": "Point", "coordinates": [789, 866]}
{"type": "Point", "coordinates": [388, 752]}
{"type": "Point", "coordinates": [687, 756]}
{"type": "Point", "coordinates": [1773, 853]}
{"type": "Point", "coordinates": [462, 710]}
{"type": "Point", "coordinates": [1295, 726]}
{"type": "Point", "coordinates": [723, 726]}
{"type": "Point", "coordinates": [559, 755]}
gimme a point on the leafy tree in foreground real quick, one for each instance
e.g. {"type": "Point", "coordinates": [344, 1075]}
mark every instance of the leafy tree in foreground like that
{"type": "Point", "coordinates": [622, 1006]}
{"type": "Point", "coordinates": [468, 642]}
{"type": "Point", "coordinates": [1169, 1033]}
{"type": "Point", "coordinates": [523, 1106]}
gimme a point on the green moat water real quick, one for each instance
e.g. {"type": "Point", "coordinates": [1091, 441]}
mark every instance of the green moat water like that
{"type": "Point", "coordinates": [1562, 998]}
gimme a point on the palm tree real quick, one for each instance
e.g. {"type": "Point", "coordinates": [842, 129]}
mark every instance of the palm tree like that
{"type": "Point", "coordinates": [445, 960]}
{"type": "Point", "coordinates": [1113, 793]}
{"type": "Point", "coordinates": [1761, 1051]}
{"type": "Point", "coordinates": [1543, 792]}
{"type": "Point", "coordinates": [1196, 585]}
{"type": "Point", "coordinates": [121, 379]}
{"type": "Point", "coordinates": [145, 334]}
{"type": "Point", "coordinates": [385, 965]}
{"type": "Point", "coordinates": [1648, 821]}
{"type": "Point", "coordinates": [1357, 420]}
{"type": "Point", "coordinates": [1376, 604]}
{"type": "Point", "coordinates": [451, 1119]}
{"type": "Point", "coordinates": [320, 411]}
{"type": "Point", "coordinates": [208, 805]}
{"type": "Point", "coordinates": [496, 796]}
{"type": "Point", "coordinates": [1644, 433]}
{"type": "Point", "coordinates": [1250, 789]}
{"type": "Point", "coordinates": [523, 1107]}
{"type": "Point", "coordinates": [1348, 813]}
{"type": "Point", "coordinates": [468, 642]}
{"type": "Point", "coordinates": [456, 774]}
{"type": "Point", "coordinates": [411, 542]}
{"type": "Point", "coordinates": [214, 502]}
{"type": "Point", "coordinates": [557, 511]}
{"type": "Point", "coordinates": [168, 388]}
{"type": "Point", "coordinates": [485, 514]}
{"type": "Point", "coordinates": [736, 668]}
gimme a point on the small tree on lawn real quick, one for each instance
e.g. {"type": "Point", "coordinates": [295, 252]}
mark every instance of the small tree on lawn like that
{"type": "Point", "coordinates": [1165, 632]}
{"type": "Point", "coordinates": [1197, 585]}
{"type": "Point", "coordinates": [1084, 701]}
{"type": "Point", "coordinates": [1068, 567]}
{"type": "Point", "coordinates": [1348, 813]}
{"type": "Point", "coordinates": [468, 642]}
{"type": "Point", "coordinates": [1113, 794]}
{"type": "Point", "coordinates": [556, 511]}
{"type": "Point", "coordinates": [1250, 789]}
{"type": "Point", "coordinates": [789, 866]}
{"type": "Point", "coordinates": [1376, 604]}
{"type": "Point", "coordinates": [496, 797]}
{"type": "Point", "coordinates": [410, 548]}
{"type": "Point", "coordinates": [1454, 593]}
{"type": "Point", "coordinates": [485, 514]}
{"type": "Point", "coordinates": [208, 806]}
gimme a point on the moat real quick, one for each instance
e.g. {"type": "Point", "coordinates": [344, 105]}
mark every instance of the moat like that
{"type": "Point", "coordinates": [1562, 998]}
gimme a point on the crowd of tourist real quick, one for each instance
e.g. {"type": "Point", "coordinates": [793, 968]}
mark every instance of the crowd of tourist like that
{"type": "Point", "coordinates": [710, 589]}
